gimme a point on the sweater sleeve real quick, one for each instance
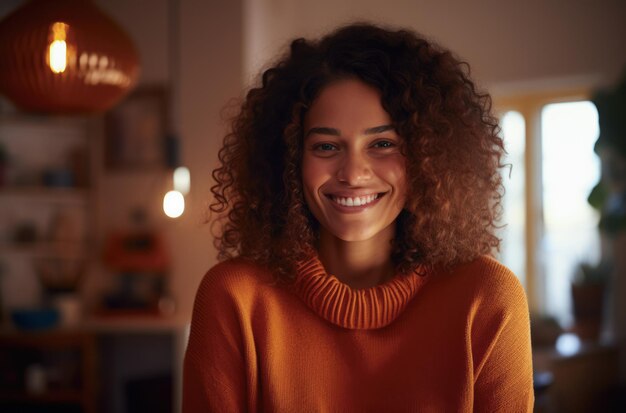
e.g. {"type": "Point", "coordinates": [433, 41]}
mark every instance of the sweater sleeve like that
{"type": "Point", "coordinates": [503, 375]}
{"type": "Point", "coordinates": [214, 377]}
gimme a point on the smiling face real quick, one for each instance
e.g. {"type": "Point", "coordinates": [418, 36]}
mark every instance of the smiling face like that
{"type": "Point", "coordinates": [353, 171]}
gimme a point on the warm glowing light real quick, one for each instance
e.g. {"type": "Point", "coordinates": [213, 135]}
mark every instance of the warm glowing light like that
{"type": "Point", "coordinates": [59, 30]}
{"type": "Point", "coordinates": [82, 60]}
{"type": "Point", "coordinates": [173, 204]}
{"type": "Point", "coordinates": [95, 68]}
{"type": "Point", "coordinates": [93, 61]}
{"type": "Point", "coordinates": [58, 56]}
{"type": "Point", "coordinates": [65, 57]}
{"type": "Point", "coordinates": [182, 180]}
{"type": "Point", "coordinates": [57, 52]}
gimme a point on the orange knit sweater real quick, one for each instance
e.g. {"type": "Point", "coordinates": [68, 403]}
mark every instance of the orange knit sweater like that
{"type": "Point", "coordinates": [447, 342]}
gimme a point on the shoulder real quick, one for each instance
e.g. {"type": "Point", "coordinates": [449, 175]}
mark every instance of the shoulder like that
{"type": "Point", "coordinates": [490, 276]}
{"type": "Point", "coordinates": [237, 271]}
{"type": "Point", "coordinates": [491, 297]}
{"type": "Point", "coordinates": [233, 279]}
{"type": "Point", "coordinates": [484, 281]}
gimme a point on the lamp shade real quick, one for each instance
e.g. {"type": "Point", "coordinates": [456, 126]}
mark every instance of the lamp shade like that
{"type": "Point", "coordinates": [65, 56]}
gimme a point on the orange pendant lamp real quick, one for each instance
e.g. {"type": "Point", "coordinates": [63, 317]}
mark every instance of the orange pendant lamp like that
{"type": "Point", "coordinates": [65, 56]}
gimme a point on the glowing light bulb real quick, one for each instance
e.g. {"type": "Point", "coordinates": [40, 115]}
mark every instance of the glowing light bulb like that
{"type": "Point", "coordinates": [58, 56]}
{"type": "Point", "coordinates": [182, 180]}
{"type": "Point", "coordinates": [57, 52]}
{"type": "Point", "coordinates": [173, 204]}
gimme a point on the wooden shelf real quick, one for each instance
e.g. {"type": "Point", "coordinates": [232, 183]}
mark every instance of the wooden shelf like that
{"type": "Point", "coordinates": [47, 193]}
{"type": "Point", "coordinates": [137, 324]}
{"type": "Point", "coordinates": [82, 344]}
{"type": "Point", "coordinates": [45, 120]}
{"type": "Point", "coordinates": [37, 144]}
{"type": "Point", "coordinates": [45, 249]}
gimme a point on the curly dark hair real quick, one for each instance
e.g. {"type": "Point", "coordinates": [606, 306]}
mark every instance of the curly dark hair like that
{"type": "Point", "coordinates": [450, 138]}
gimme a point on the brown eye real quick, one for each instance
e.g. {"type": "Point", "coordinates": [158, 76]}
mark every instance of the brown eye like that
{"type": "Point", "coordinates": [384, 144]}
{"type": "Point", "coordinates": [325, 147]}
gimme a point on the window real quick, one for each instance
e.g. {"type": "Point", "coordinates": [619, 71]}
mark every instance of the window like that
{"type": "Point", "coordinates": [513, 248]}
{"type": "Point", "coordinates": [549, 226]}
{"type": "Point", "coordinates": [570, 171]}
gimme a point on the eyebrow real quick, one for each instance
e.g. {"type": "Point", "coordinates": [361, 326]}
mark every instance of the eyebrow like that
{"type": "Point", "coordinates": [337, 132]}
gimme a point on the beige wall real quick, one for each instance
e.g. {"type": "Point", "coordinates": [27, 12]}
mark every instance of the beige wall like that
{"type": "Point", "coordinates": [210, 77]}
{"type": "Point", "coordinates": [510, 44]}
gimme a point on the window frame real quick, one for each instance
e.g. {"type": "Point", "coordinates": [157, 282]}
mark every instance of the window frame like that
{"type": "Point", "coordinates": [530, 105]}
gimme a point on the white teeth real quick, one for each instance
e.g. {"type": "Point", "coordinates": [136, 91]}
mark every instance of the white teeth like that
{"type": "Point", "coordinates": [356, 201]}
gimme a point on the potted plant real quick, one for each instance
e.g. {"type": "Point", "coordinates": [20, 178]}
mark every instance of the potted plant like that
{"type": "Point", "coordinates": [609, 195]}
{"type": "Point", "coordinates": [609, 198]}
{"type": "Point", "coordinates": [588, 298]}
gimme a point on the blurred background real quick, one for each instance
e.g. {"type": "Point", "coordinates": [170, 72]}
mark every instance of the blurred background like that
{"type": "Point", "coordinates": [111, 117]}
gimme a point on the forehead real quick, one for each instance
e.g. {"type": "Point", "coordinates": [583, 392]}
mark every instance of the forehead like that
{"type": "Point", "coordinates": [347, 102]}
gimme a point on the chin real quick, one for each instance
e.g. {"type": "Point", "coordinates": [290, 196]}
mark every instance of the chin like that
{"type": "Point", "coordinates": [352, 235]}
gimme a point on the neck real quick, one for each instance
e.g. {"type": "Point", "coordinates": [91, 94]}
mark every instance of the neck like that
{"type": "Point", "coordinates": [359, 264]}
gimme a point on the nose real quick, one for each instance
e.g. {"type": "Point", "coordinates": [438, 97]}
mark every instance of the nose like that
{"type": "Point", "coordinates": [355, 169]}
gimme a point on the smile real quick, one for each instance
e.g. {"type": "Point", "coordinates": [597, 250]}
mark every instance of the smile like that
{"type": "Point", "coordinates": [354, 201]}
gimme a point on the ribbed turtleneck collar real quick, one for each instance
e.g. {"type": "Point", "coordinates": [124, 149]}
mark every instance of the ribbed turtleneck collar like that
{"type": "Point", "coordinates": [368, 308]}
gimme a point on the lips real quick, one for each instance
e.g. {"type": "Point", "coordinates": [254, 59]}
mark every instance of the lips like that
{"type": "Point", "coordinates": [354, 201]}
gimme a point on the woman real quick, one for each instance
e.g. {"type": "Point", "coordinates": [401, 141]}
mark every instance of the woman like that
{"type": "Point", "coordinates": [359, 191]}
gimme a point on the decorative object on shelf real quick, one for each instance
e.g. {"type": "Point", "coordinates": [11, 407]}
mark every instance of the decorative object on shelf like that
{"type": "Point", "coordinates": [136, 251]}
{"type": "Point", "coordinates": [46, 230]}
{"type": "Point", "coordinates": [35, 318]}
{"type": "Point", "coordinates": [60, 275]}
{"type": "Point", "coordinates": [58, 178]}
{"type": "Point", "coordinates": [139, 259]}
{"type": "Point", "coordinates": [136, 131]}
{"type": "Point", "coordinates": [70, 309]}
{"type": "Point", "coordinates": [65, 56]}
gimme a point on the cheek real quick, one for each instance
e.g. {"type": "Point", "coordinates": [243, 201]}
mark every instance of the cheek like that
{"type": "Point", "coordinates": [395, 174]}
{"type": "Point", "coordinates": [402, 179]}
